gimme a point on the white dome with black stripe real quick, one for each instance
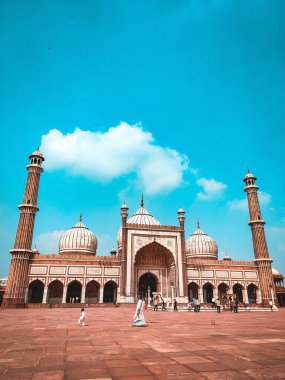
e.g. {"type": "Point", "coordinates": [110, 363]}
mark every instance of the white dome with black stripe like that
{"type": "Point", "coordinates": [78, 239]}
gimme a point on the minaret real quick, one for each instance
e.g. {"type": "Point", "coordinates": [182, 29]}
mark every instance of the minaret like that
{"type": "Point", "coordinates": [261, 255]}
{"type": "Point", "coordinates": [181, 219]}
{"type": "Point", "coordinates": [124, 215]}
{"type": "Point", "coordinates": [18, 272]}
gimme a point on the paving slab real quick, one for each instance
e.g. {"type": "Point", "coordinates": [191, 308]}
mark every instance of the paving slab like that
{"type": "Point", "coordinates": [48, 344]}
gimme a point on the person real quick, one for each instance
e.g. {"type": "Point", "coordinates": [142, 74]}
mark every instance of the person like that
{"type": "Point", "coordinates": [139, 320]}
{"type": "Point", "coordinates": [271, 304]}
{"type": "Point", "coordinates": [218, 305]}
{"type": "Point", "coordinates": [198, 305]}
{"type": "Point", "coordinates": [195, 304]}
{"type": "Point", "coordinates": [175, 305]}
{"type": "Point", "coordinates": [231, 303]}
{"type": "Point", "coordinates": [189, 305]}
{"type": "Point", "coordinates": [163, 308]}
{"type": "Point", "coordinates": [213, 302]}
{"type": "Point", "coordinates": [235, 305]}
{"type": "Point", "coordinates": [77, 299]}
{"type": "Point", "coordinates": [155, 304]}
{"type": "Point", "coordinates": [82, 318]}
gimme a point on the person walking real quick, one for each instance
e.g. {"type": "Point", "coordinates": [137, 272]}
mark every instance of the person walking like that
{"type": "Point", "coordinates": [218, 305]}
{"type": "Point", "coordinates": [271, 304]}
{"type": "Point", "coordinates": [198, 304]}
{"type": "Point", "coordinates": [82, 318]}
{"type": "Point", "coordinates": [189, 306]}
{"type": "Point", "coordinates": [155, 304]}
{"type": "Point", "coordinates": [175, 305]}
{"type": "Point", "coordinates": [163, 308]}
{"type": "Point", "coordinates": [138, 320]}
{"type": "Point", "coordinates": [213, 302]}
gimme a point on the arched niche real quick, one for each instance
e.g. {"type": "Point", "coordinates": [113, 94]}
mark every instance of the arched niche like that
{"type": "Point", "coordinates": [147, 282]}
{"type": "Point", "coordinates": [110, 292]}
{"type": "Point", "coordinates": [36, 292]}
{"type": "Point", "coordinates": [73, 294]}
{"type": "Point", "coordinates": [55, 292]}
{"type": "Point", "coordinates": [154, 255]}
{"type": "Point", "coordinates": [208, 291]}
{"type": "Point", "coordinates": [237, 291]}
{"type": "Point", "coordinates": [92, 292]}
{"type": "Point", "coordinates": [252, 293]}
{"type": "Point", "coordinates": [192, 290]}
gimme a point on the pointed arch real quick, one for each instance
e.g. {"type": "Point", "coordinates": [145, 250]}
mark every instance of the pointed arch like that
{"type": "Point", "coordinates": [154, 254]}
{"type": "Point", "coordinates": [36, 292]}
{"type": "Point", "coordinates": [92, 292]}
{"type": "Point", "coordinates": [73, 293]}
{"type": "Point", "coordinates": [55, 292]}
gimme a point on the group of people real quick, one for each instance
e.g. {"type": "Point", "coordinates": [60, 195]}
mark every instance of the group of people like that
{"type": "Point", "coordinates": [74, 300]}
{"type": "Point", "coordinates": [195, 305]}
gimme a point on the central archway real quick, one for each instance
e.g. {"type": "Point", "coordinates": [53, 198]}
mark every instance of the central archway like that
{"type": "Point", "coordinates": [147, 281]}
{"type": "Point", "coordinates": [154, 267]}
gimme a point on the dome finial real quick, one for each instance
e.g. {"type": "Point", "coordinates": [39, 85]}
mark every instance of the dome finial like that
{"type": "Point", "coordinates": [198, 224]}
{"type": "Point", "coordinates": [80, 217]}
{"type": "Point", "coordinates": [142, 201]}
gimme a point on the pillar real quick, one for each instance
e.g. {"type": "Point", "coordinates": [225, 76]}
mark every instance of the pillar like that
{"type": "Point", "coordinates": [256, 223]}
{"type": "Point", "coordinates": [215, 293]}
{"type": "Point", "coordinates": [101, 292]}
{"type": "Point", "coordinates": [64, 294]}
{"type": "Point", "coordinates": [45, 294]}
{"type": "Point", "coordinates": [83, 294]}
{"type": "Point", "coordinates": [200, 295]}
{"type": "Point", "coordinates": [245, 296]}
{"type": "Point", "coordinates": [22, 250]}
{"type": "Point", "coordinates": [258, 296]}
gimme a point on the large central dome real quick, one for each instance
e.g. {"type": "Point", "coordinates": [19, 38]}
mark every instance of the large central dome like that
{"type": "Point", "coordinates": [143, 217]}
{"type": "Point", "coordinates": [78, 239]}
{"type": "Point", "coordinates": [200, 245]}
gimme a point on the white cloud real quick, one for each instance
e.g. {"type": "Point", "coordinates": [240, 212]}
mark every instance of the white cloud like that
{"type": "Point", "coordinates": [212, 189]}
{"type": "Point", "coordinates": [47, 242]}
{"type": "Point", "coordinates": [124, 149]}
{"type": "Point", "coordinates": [241, 204]}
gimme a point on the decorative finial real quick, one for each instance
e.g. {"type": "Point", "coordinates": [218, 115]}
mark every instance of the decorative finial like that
{"type": "Point", "coordinates": [142, 201]}
{"type": "Point", "coordinates": [198, 224]}
{"type": "Point", "coordinates": [80, 217]}
{"type": "Point", "coordinates": [38, 147]}
{"type": "Point", "coordinates": [248, 170]}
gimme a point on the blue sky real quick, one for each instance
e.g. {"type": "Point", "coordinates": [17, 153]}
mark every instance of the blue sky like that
{"type": "Point", "coordinates": [173, 98]}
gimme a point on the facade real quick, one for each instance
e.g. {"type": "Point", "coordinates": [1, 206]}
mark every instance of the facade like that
{"type": "Point", "coordinates": [152, 260]}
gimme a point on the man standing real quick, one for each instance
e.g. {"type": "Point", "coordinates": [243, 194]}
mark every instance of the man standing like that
{"type": "Point", "coordinates": [175, 305]}
{"type": "Point", "coordinates": [218, 305]}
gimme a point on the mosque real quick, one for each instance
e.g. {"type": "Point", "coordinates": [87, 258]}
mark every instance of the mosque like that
{"type": "Point", "coordinates": [152, 259]}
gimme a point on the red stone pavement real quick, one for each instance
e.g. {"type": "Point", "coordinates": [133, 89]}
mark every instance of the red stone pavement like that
{"type": "Point", "coordinates": [48, 344]}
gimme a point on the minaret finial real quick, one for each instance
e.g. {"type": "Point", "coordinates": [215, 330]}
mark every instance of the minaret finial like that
{"type": "Point", "coordinates": [80, 217]}
{"type": "Point", "coordinates": [38, 147]}
{"type": "Point", "coordinates": [142, 201]}
{"type": "Point", "coordinates": [198, 224]}
{"type": "Point", "coordinates": [248, 170]}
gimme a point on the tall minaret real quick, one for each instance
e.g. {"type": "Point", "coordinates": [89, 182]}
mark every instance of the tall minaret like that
{"type": "Point", "coordinates": [261, 255]}
{"type": "Point", "coordinates": [18, 272]}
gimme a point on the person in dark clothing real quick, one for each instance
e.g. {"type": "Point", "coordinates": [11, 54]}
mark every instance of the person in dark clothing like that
{"type": "Point", "coordinates": [175, 305]}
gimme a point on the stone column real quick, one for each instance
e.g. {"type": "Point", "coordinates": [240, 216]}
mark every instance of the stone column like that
{"type": "Point", "coordinates": [64, 294]}
{"type": "Point", "coordinates": [172, 294]}
{"type": "Point", "coordinates": [200, 295]}
{"type": "Point", "coordinates": [215, 293]}
{"type": "Point", "coordinates": [245, 296]}
{"type": "Point", "coordinates": [83, 294]}
{"type": "Point", "coordinates": [45, 294]}
{"type": "Point", "coordinates": [101, 294]}
{"type": "Point", "coordinates": [258, 296]}
{"type": "Point", "coordinates": [148, 296]}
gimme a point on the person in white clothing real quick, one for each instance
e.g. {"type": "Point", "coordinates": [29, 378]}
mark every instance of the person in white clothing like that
{"type": "Point", "coordinates": [82, 318]}
{"type": "Point", "coordinates": [271, 304]}
{"type": "Point", "coordinates": [139, 320]}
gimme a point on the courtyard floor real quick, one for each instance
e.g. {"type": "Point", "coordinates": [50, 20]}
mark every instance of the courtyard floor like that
{"type": "Point", "coordinates": [48, 344]}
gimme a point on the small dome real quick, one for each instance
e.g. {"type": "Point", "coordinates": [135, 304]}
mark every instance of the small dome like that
{"type": "Point", "coordinates": [200, 245]}
{"type": "Point", "coordinates": [227, 257]}
{"type": "Point", "coordinates": [78, 239]}
{"type": "Point", "coordinates": [37, 153]}
{"type": "Point", "coordinates": [275, 272]}
{"type": "Point", "coordinates": [180, 211]}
